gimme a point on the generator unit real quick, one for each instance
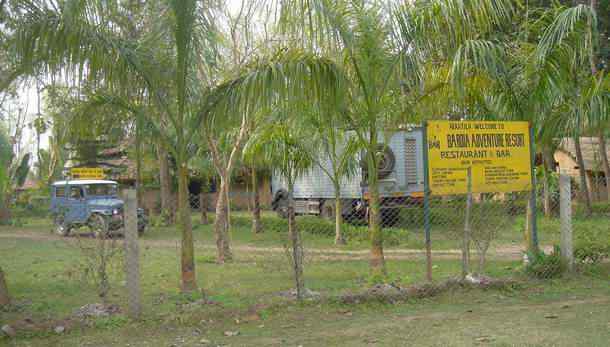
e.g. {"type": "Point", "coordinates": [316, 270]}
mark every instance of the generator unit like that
{"type": "Point", "coordinates": [400, 173]}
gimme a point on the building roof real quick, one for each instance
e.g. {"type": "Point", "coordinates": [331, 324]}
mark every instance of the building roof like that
{"type": "Point", "coordinates": [590, 151]}
{"type": "Point", "coordinates": [80, 182]}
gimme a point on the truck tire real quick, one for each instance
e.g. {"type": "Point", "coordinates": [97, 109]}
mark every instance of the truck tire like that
{"type": "Point", "coordinates": [387, 162]}
{"type": "Point", "coordinates": [327, 209]}
{"type": "Point", "coordinates": [142, 223]}
{"type": "Point", "coordinates": [60, 226]}
{"type": "Point", "coordinates": [280, 203]}
{"type": "Point", "coordinates": [99, 226]}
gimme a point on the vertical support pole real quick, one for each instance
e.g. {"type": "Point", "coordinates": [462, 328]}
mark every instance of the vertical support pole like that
{"type": "Point", "coordinates": [467, 226]}
{"type": "Point", "coordinates": [565, 211]}
{"type": "Point", "coordinates": [533, 220]}
{"type": "Point", "coordinates": [132, 254]}
{"type": "Point", "coordinates": [427, 205]}
{"type": "Point", "coordinates": [203, 206]}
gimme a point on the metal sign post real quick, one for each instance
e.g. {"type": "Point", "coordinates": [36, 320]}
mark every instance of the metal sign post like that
{"type": "Point", "coordinates": [427, 206]}
{"type": "Point", "coordinates": [533, 246]}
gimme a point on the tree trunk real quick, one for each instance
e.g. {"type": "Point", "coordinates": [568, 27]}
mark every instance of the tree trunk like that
{"type": "Point", "coordinates": [297, 246]}
{"type": "Point", "coordinates": [203, 206]}
{"type": "Point", "coordinates": [256, 204]}
{"type": "Point", "coordinates": [377, 261]}
{"type": "Point", "coordinates": [165, 183]}
{"type": "Point", "coordinates": [5, 299]}
{"type": "Point", "coordinates": [339, 239]}
{"type": "Point", "coordinates": [139, 159]}
{"type": "Point", "coordinates": [603, 153]}
{"type": "Point", "coordinates": [5, 212]}
{"type": "Point", "coordinates": [189, 282]}
{"type": "Point", "coordinates": [221, 224]}
{"type": "Point", "coordinates": [482, 246]}
{"type": "Point", "coordinates": [584, 188]}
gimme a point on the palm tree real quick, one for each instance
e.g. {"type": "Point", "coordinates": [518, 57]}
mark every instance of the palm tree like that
{"type": "Point", "coordinates": [385, 51]}
{"type": "Point", "coordinates": [166, 60]}
{"type": "Point", "coordinates": [335, 153]}
{"type": "Point", "coordinates": [567, 46]}
{"type": "Point", "coordinates": [285, 144]}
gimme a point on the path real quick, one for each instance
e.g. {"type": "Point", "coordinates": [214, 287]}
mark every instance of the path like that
{"type": "Point", "coordinates": [504, 252]}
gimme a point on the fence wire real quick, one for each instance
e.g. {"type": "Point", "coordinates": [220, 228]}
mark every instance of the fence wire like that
{"type": "Point", "coordinates": [482, 236]}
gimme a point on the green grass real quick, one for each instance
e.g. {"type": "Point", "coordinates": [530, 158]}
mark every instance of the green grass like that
{"type": "Point", "coordinates": [318, 233]}
{"type": "Point", "coordinates": [47, 285]}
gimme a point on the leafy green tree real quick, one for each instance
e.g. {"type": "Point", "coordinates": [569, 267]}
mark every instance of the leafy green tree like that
{"type": "Point", "coordinates": [385, 51]}
{"type": "Point", "coordinates": [335, 153]}
{"type": "Point", "coordinates": [12, 173]}
{"type": "Point", "coordinates": [166, 60]}
{"type": "Point", "coordinates": [282, 142]}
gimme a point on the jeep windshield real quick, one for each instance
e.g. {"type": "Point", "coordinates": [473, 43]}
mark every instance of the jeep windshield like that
{"type": "Point", "coordinates": [101, 189]}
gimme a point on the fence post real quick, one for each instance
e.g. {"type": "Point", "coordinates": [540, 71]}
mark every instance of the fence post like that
{"type": "Point", "coordinates": [467, 227]}
{"type": "Point", "coordinates": [533, 246]}
{"type": "Point", "coordinates": [132, 254]}
{"type": "Point", "coordinates": [427, 206]}
{"type": "Point", "coordinates": [565, 210]}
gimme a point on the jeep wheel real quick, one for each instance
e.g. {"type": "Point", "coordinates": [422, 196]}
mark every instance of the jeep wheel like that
{"type": "Point", "coordinates": [61, 228]}
{"type": "Point", "coordinates": [141, 226]}
{"type": "Point", "coordinates": [99, 226]}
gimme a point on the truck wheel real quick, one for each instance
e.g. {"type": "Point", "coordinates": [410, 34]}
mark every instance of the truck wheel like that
{"type": "Point", "coordinates": [99, 226]}
{"type": "Point", "coordinates": [61, 228]}
{"type": "Point", "coordinates": [280, 203]}
{"type": "Point", "coordinates": [386, 161]}
{"type": "Point", "coordinates": [327, 210]}
{"type": "Point", "coordinates": [141, 226]}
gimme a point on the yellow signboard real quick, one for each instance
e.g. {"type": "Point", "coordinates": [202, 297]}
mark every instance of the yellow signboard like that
{"type": "Point", "coordinates": [498, 154]}
{"type": "Point", "coordinates": [87, 173]}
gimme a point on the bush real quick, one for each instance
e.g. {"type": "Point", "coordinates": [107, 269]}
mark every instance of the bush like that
{"type": "Point", "coordinates": [598, 208]}
{"type": "Point", "coordinates": [545, 266]}
{"type": "Point", "coordinates": [592, 244]}
{"type": "Point", "coordinates": [315, 225]}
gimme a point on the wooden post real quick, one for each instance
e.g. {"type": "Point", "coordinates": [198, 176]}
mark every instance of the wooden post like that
{"type": "Point", "coordinates": [565, 191]}
{"type": "Point", "coordinates": [467, 227]}
{"type": "Point", "coordinates": [132, 254]}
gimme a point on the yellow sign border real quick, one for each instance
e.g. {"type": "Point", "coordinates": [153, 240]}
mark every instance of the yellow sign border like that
{"type": "Point", "coordinates": [498, 152]}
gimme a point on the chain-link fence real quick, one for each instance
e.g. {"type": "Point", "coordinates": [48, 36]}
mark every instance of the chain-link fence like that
{"type": "Point", "coordinates": [477, 237]}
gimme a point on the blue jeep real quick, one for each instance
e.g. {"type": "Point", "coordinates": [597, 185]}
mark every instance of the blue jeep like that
{"type": "Point", "coordinates": [92, 203]}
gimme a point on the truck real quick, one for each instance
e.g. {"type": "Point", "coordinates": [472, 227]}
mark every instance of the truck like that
{"type": "Point", "coordinates": [93, 203]}
{"type": "Point", "coordinates": [401, 182]}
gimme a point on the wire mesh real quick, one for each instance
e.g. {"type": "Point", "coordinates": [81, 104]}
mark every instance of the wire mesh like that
{"type": "Point", "coordinates": [491, 234]}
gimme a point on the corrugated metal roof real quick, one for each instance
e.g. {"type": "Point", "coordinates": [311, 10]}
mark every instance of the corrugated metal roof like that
{"type": "Point", "coordinates": [590, 151]}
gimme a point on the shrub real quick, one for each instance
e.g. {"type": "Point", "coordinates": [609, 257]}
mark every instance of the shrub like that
{"type": "Point", "coordinates": [592, 244]}
{"type": "Point", "coordinates": [598, 208]}
{"type": "Point", "coordinates": [545, 266]}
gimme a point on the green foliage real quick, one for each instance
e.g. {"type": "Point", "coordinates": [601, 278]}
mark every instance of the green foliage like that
{"type": "Point", "coordinates": [111, 322]}
{"type": "Point", "coordinates": [598, 208]}
{"type": "Point", "coordinates": [545, 266]}
{"type": "Point", "coordinates": [314, 225]}
{"type": "Point", "coordinates": [592, 244]}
